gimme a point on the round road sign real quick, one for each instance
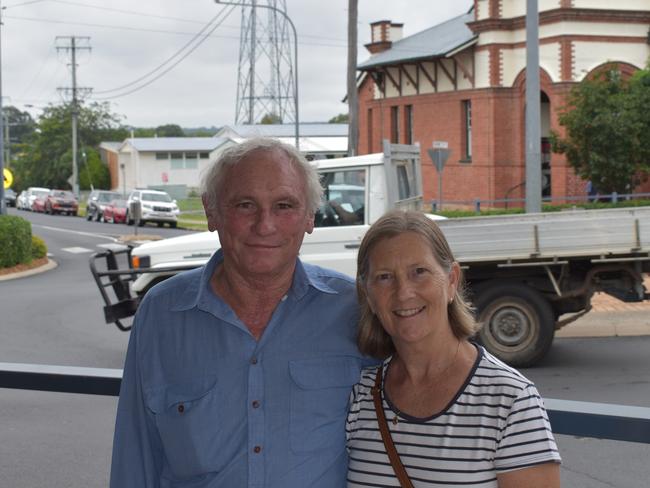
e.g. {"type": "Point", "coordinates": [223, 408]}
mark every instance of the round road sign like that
{"type": "Point", "coordinates": [8, 177]}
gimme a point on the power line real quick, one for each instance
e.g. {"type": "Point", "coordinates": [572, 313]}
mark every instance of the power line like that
{"type": "Point", "coordinates": [171, 58]}
{"type": "Point", "coordinates": [190, 51]}
{"type": "Point", "coordinates": [343, 43]}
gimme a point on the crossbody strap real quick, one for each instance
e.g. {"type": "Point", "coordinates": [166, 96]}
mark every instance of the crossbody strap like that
{"type": "Point", "coordinates": [395, 461]}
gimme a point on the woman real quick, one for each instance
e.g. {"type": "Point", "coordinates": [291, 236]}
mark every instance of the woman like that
{"type": "Point", "coordinates": [456, 414]}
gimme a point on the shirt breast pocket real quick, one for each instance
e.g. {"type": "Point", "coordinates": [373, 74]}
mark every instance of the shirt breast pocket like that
{"type": "Point", "coordinates": [187, 416]}
{"type": "Point", "coordinates": [320, 393]}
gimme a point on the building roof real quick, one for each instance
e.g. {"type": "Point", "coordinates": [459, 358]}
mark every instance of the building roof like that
{"type": "Point", "coordinates": [308, 129]}
{"type": "Point", "coordinates": [435, 41]}
{"type": "Point", "coordinates": [175, 143]}
{"type": "Point", "coordinates": [111, 146]}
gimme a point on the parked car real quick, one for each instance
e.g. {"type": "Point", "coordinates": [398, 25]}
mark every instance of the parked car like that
{"type": "Point", "coordinates": [157, 206]}
{"type": "Point", "coordinates": [97, 201]}
{"type": "Point", "coordinates": [38, 204]}
{"type": "Point", "coordinates": [34, 192]}
{"type": "Point", "coordinates": [115, 212]}
{"type": "Point", "coordinates": [10, 197]}
{"type": "Point", "coordinates": [61, 201]}
{"type": "Point", "coordinates": [22, 200]}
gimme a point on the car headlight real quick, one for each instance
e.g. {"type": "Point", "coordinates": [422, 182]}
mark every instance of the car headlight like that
{"type": "Point", "coordinates": [147, 206]}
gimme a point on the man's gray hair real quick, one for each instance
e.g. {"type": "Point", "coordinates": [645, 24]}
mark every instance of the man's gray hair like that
{"type": "Point", "coordinates": [214, 178]}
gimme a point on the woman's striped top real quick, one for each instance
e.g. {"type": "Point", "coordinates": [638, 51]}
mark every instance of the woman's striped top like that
{"type": "Point", "coordinates": [495, 423]}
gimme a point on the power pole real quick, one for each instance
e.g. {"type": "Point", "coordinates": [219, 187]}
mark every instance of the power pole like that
{"type": "Point", "coordinates": [533, 117]}
{"type": "Point", "coordinates": [353, 104]}
{"type": "Point", "coordinates": [72, 48]}
{"type": "Point", "coordinates": [3, 205]}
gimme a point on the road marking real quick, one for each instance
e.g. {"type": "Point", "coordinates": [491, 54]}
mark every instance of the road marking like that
{"type": "Point", "coordinates": [91, 234]}
{"type": "Point", "coordinates": [76, 250]}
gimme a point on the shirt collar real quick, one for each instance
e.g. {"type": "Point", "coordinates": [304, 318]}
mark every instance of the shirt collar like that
{"type": "Point", "coordinates": [200, 292]}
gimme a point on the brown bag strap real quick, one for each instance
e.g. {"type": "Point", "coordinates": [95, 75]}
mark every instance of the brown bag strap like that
{"type": "Point", "coordinates": [395, 461]}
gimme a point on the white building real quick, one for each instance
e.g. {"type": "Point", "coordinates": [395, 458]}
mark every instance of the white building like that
{"type": "Point", "coordinates": [174, 164]}
{"type": "Point", "coordinates": [317, 140]}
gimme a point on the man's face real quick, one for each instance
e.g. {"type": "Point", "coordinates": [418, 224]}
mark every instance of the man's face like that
{"type": "Point", "coordinates": [262, 216]}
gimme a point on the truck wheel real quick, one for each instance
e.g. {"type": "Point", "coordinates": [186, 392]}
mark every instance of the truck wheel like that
{"type": "Point", "coordinates": [517, 323]}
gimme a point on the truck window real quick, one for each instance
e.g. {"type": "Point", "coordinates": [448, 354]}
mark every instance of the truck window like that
{"type": "Point", "coordinates": [344, 198]}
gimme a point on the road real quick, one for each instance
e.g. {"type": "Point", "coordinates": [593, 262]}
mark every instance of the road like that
{"type": "Point", "coordinates": [53, 440]}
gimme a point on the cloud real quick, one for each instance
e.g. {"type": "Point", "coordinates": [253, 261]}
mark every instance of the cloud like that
{"type": "Point", "coordinates": [130, 39]}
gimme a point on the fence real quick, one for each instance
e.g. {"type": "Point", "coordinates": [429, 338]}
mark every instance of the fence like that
{"type": "Point", "coordinates": [506, 203]}
{"type": "Point", "coordinates": [584, 419]}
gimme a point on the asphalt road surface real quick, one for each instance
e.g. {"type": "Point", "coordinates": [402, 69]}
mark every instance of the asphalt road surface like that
{"type": "Point", "coordinates": [52, 440]}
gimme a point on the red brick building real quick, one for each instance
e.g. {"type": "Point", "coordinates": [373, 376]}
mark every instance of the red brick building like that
{"type": "Point", "coordinates": [463, 81]}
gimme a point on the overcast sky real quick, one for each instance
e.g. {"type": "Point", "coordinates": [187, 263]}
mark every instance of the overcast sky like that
{"type": "Point", "coordinates": [130, 39]}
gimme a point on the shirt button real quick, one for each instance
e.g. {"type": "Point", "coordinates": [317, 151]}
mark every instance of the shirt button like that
{"type": "Point", "coordinates": [256, 404]}
{"type": "Point", "coordinates": [181, 408]}
{"type": "Point", "coordinates": [257, 449]}
{"type": "Point", "coordinates": [253, 360]}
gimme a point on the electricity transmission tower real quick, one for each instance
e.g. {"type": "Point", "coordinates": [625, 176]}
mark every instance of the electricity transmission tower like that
{"type": "Point", "coordinates": [265, 77]}
{"type": "Point", "coordinates": [72, 45]}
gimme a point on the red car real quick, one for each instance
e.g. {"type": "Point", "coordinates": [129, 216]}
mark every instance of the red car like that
{"type": "Point", "coordinates": [115, 212]}
{"type": "Point", "coordinates": [38, 205]}
{"type": "Point", "coordinates": [61, 201]}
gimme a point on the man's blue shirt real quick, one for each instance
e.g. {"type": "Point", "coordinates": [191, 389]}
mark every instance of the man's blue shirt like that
{"type": "Point", "coordinates": [203, 404]}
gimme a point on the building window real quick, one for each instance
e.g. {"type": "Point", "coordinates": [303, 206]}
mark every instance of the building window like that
{"type": "Point", "coordinates": [191, 161]}
{"type": "Point", "coordinates": [394, 125]}
{"type": "Point", "coordinates": [162, 155]}
{"type": "Point", "coordinates": [467, 130]}
{"type": "Point", "coordinates": [370, 129]}
{"type": "Point", "coordinates": [204, 155]}
{"type": "Point", "coordinates": [408, 124]}
{"type": "Point", "coordinates": [177, 160]}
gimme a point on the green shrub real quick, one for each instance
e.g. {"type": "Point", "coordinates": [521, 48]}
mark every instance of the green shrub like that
{"type": "Point", "coordinates": [15, 241]}
{"type": "Point", "coordinates": [39, 249]}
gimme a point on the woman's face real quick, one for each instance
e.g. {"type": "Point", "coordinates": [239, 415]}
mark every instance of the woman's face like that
{"type": "Point", "coordinates": [408, 290]}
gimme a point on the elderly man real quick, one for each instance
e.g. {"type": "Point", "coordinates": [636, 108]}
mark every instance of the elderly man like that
{"type": "Point", "coordinates": [238, 373]}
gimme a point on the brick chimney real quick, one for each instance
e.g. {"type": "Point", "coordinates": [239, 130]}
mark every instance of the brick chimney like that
{"type": "Point", "coordinates": [382, 34]}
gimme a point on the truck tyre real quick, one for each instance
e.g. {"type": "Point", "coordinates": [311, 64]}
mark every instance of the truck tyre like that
{"type": "Point", "coordinates": [517, 322]}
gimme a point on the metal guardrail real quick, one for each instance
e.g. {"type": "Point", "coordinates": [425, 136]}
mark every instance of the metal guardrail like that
{"type": "Point", "coordinates": [583, 419]}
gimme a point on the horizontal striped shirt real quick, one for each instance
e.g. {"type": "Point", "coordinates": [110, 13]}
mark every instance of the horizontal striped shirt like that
{"type": "Point", "coordinates": [495, 423]}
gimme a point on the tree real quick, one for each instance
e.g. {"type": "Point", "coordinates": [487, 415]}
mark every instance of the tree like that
{"type": "Point", "coordinates": [20, 127]}
{"type": "Point", "coordinates": [271, 118]}
{"type": "Point", "coordinates": [47, 159]}
{"type": "Point", "coordinates": [339, 119]}
{"type": "Point", "coordinates": [607, 128]}
{"type": "Point", "coordinates": [93, 173]}
{"type": "Point", "coordinates": [170, 130]}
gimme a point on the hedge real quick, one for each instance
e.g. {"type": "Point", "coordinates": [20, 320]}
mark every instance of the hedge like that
{"type": "Point", "coordinates": [15, 241]}
{"type": "Point", "coordinates": [39, 248]}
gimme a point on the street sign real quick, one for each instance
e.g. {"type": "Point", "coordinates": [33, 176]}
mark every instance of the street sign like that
{"type": "Point", "coordinates": [440, 145]}
{"type": "Point", "coordinates": [439, 154]}
{"type": "Point", "coordinates": [439, 157]}
{"type": "Point", "coordinates": [8, 178]}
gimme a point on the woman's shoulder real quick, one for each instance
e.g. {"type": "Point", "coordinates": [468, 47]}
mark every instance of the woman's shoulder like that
{"type": "Point", "coordinates": [494, 373]}
{"type": "Point", "coordinates": [368, 378]}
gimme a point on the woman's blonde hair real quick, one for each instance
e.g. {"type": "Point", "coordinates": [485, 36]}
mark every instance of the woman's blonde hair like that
{"type": "Point", "coordinates": [372, 339]}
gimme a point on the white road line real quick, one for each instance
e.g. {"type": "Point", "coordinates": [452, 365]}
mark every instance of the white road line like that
{"type": "Point", "coordinates": [76, 250]}
{"type": "Point", "coordinates": [78, 232]}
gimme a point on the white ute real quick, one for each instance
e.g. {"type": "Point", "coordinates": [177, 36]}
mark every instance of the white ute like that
{"type": "Point", "coordinates": [527, 275]}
